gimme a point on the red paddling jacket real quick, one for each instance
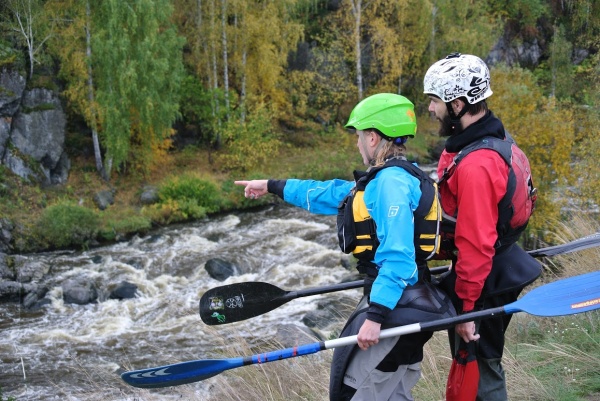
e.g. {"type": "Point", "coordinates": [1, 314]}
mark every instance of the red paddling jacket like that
{"type": "Point", "coordinates": [472, 194]}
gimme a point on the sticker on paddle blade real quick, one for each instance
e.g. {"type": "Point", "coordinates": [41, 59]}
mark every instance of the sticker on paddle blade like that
{"type": "Point", "coordinates": [586, 304]}
{"type": "Point", "coordinates": [235, 302]}
{"type": "Point", "coordinates": [220, 318]}
{"type": "Point", "coordinates": [216, 303]}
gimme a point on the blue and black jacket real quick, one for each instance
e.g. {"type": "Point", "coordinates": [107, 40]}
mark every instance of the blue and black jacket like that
{"type": "Point", "coordinates": [392, 212]}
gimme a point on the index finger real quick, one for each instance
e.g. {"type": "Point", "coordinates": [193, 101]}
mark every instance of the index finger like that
{"type": "Point", "coordinates": [244, 183]}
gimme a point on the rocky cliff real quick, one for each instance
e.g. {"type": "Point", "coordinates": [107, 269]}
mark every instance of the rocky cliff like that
{"type": "Point", "coordinates": [32, 131]}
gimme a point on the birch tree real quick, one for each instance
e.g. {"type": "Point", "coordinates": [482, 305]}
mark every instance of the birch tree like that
{"type": "Point", "coordinates": [139, 71]}
{"type": "Point", "coordinates": [357, 14]}
{"type": "Point", "coordinates": [29, 21]}
{"type": "Point", "coordinates": [225, 53]}
{"type": "Point", "coordinates": [72, 45]}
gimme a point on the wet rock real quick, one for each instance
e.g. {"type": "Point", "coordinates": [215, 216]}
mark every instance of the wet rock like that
{"type": "Point", "coordinates": [329, 313]}
{"type": "Point", "coordinates": [79, 293]}
{"type": "Point", "coordinates": [32, 300]}
{"type": "Point", "coordinates": [13, 291]}
{"type": "Point", "coordinates": [30, 269]}
{"type": "Point", "coordinates": [220, 269]}
{"type": "Point", "coordinates": [137, 263]}
{"type": "Point", "coordinates": [40, 304]}
{"type": "Point", "coordinates": [124, 290]}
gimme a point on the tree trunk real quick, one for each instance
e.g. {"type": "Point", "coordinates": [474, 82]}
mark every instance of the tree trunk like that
{"type": "Point", "coordinates": [243, 89]}
{"type": "Point", "coordinates": [215, 78]}
{"type": "Point", "coordinates": [88, 52]}
{"type": "Point", "coordinates": [432, 50]}
{"type": "Point", "coordinates": [225, 62]}
{"type": "Point", "coordinates": [356, 11]}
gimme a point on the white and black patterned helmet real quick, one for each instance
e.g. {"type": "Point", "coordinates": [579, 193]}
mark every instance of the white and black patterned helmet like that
{"type": "Point", "coordinates": [458, 75]}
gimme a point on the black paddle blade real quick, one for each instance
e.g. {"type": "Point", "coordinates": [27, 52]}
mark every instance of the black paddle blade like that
{"type": "Point", "coordinates": [241, 301]}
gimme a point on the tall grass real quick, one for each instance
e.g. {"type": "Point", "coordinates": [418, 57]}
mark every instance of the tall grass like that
{"type": "Point", "coordinates": [545, 358]}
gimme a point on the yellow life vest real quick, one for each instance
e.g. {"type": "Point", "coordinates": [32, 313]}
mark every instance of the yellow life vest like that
{"type": "Point", "coordinates": [357, 232]}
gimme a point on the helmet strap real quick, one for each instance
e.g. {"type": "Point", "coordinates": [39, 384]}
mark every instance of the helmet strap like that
{"type": "Point", "coordinates": [456, 126]}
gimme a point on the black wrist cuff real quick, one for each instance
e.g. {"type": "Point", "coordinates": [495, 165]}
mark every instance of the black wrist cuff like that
{"type": "Point", "coordinates": [377, 313]}
{"type": "Point", "coordinates": [276, 187]}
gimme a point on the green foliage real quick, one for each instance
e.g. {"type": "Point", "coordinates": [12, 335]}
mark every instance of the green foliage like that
{"type": "Point", "coordinates": [525, 13]}
{"type": "Point", "coordinates": [139, 71]}
{"type": "Point", "coordinates": [119, 223]}
{"type": "Point", "coordinates": [533, 120]}
{"type": "Point", "coordinates": [562, 353]}
{"type": "Point", "coordinates": [330, 83]}
{"type": "Point", "coordinates": [192, 187]}
{"type": "Point", "coordinates": [8, 55]}
{"type": "Point", "coordinates": [586, 174]}
{"type": "Point", "coordinates": [557, 73]}
{"type": "Point", "coordinates": [184, 197]}
{"type": "Point", "coordinates": [67, 224]}
{"type": "Point", "coordinates": [248, 144]}
{"type": "Point", "coordinates": [30, 26]}
{"type": "Point", "coordinates": [197, 107]}
{"type": "Point", "coordinates": [471, 28]}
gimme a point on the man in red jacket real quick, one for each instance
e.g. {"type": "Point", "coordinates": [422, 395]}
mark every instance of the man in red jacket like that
{"type": "Point", "coordinates": [489, 268]}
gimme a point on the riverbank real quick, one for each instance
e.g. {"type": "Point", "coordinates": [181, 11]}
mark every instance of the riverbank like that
{"type": "Point", "coordinates": [188, 184]}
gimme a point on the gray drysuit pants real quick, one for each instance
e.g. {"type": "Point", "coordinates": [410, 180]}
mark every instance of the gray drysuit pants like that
{"type": "Point", "coordinates": [372, 384]}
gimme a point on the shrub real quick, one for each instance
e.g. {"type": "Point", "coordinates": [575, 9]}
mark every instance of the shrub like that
{"type": "Point", "coordinates": [67, 224]}
{"type": "Point", "coordinates": [184, 197]}
{"type": "Point", "coordinates": [248, 145]}
{"type": "Point", "coordinates": [190, 187]}
{"type": "Point", "coordinates": [127, 222]}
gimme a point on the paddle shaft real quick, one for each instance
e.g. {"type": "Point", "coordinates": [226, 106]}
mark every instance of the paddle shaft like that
{"type": "Point", "coordinates": [572, 295]}
{"type": "Point", "coordinates": [323, 290]}
{"type": "Point", "coordinates": [573, 246]}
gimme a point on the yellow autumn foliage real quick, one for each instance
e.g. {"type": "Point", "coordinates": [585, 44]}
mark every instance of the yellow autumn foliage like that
{"type": "Point", "coordinates": [544, 129]}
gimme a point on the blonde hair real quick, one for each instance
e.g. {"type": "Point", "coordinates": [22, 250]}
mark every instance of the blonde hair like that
{"type": "Point", "coordinates": [388, 150]}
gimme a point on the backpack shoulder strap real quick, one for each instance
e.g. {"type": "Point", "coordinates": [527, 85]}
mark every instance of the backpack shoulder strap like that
{"type": "Point", "coordinates": [426, 184]}
{"type": "Point", "coordinates": [405, 164]}
{"type": "Point", "coordinates": [502, 146]}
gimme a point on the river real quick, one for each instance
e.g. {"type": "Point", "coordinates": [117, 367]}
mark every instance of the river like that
{"type": "Point", "coordinates": [73, 352]}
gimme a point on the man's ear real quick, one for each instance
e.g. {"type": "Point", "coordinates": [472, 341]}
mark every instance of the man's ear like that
{"type": "Point", "coordinates": [457, 105]}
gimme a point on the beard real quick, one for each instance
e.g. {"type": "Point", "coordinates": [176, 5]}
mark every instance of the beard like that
{"type": "Point", "coordinates": [448, 126]}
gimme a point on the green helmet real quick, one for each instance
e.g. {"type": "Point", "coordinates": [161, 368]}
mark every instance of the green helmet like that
{"type": "Point", "coordinates": [393, 115]}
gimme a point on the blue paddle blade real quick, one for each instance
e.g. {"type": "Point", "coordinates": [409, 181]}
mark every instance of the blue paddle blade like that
{"type": "Point", "coordinates": [193, 371]}
{"type": "Point", "coordinates": [180, 373]}
{"type": "Point", "coordinates": [567, 296]}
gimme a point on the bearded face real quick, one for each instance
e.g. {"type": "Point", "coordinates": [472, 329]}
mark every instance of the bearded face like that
{"type": "Point", "coordinates": [446, 126]}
